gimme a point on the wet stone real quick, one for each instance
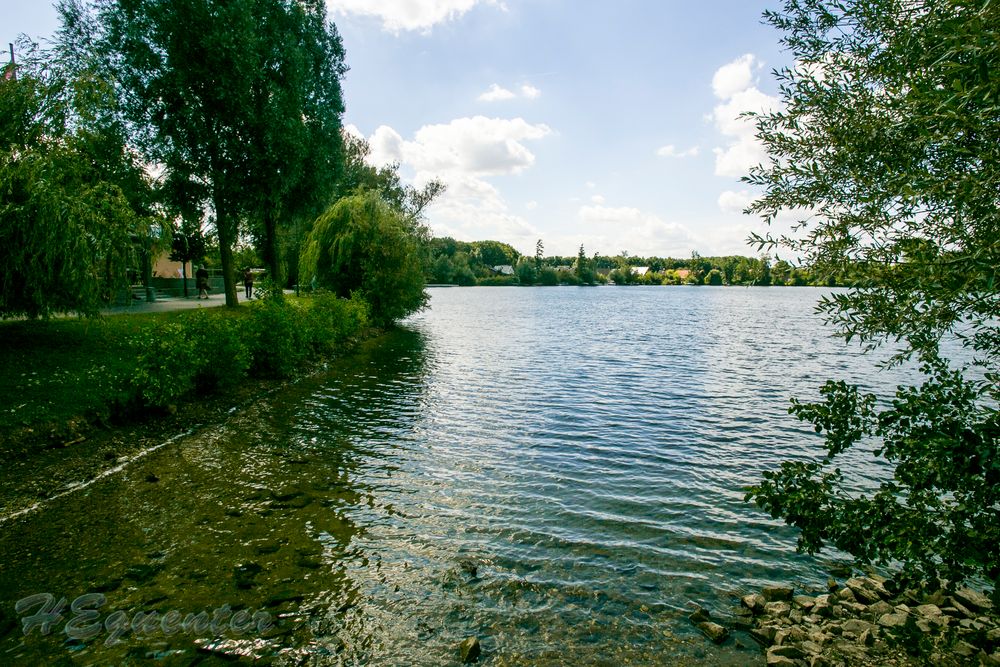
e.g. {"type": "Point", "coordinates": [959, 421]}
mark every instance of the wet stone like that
{"type": "Point", "coordinates": [700, 615]}
{"type": "Point", "coordinates": [142, 572]}
{"type": "Point", "coordinates": [470, 650]}
{"type": "Point", "coordinates": [973, 600]}
{"type": "Point", "coordinates": [777, 609]}
{"type": "Point", "coordinates": [267, 548]}
{"type": "Point", "coordinates": [893, 621]}
{"type": "Point", "coordinates": [754, 602]}
{"type": "Point", "coordinates": [282, 597]}
{"type": "Point", "coordinates": [285, 495]}
{"type": "Point", "coordinates": [777, 593]}
{"type": "Point", "coordinates": [245, 573]}
{"type": "Point", "coordinates": [713, 631]}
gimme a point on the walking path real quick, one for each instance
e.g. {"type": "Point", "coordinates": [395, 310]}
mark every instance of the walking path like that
{"type": "Point", "coordinates": [165, 303]}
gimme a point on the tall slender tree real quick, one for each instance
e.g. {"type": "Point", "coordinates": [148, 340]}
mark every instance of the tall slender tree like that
{"type": "Point", "coordinates": [241, 97]}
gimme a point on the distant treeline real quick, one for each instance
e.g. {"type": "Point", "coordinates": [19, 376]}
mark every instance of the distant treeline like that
{"type": "Point", "coordinates": [452, 262]}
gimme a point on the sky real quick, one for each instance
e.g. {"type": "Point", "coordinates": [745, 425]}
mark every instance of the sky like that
{"type": "Point", "coordinates": [609, 124]}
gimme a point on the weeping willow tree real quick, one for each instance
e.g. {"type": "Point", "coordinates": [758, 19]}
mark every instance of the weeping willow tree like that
{"type": "Point", "coordinates": [363, 246]}
{"type": "Point", "coordinates": [70, 188]}
{"type": "Point", "coordinates": [889, 137]}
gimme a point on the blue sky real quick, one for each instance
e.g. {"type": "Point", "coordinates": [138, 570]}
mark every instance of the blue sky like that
{"type": "Point", "coordinates": [607, 124]}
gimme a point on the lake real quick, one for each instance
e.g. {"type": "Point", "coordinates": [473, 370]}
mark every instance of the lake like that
{"type": "Point", "coordinates": [557, 471]}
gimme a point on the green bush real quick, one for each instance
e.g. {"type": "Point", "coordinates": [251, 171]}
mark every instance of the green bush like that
{"type": "Point", "coordinates": [331, 321]}
{"type": "Point", "coordinates": [279, 336]}
{"type": "Point", "coordinates": [221, 347]}
{"type": "Point", "coordinates": [166, 363]}
{"type": "Point", "coordinates": [498, 281]}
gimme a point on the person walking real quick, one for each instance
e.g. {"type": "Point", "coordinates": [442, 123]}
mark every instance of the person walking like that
{"type": "Point", "coordinates": [201, 277]}
{"type": "Point", "coordinates": [248, 282]}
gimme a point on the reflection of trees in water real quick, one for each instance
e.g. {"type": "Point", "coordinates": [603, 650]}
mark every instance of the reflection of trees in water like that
{"type": "Point", "coordinates": [358, 420]}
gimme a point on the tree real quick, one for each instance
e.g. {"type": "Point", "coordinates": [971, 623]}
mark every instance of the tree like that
{"type": "Point", "coordinates": [241, 98]}
{"type": "Point", "coordinates": [362, 246]}
{"type": "Point", "coordinates": [584, 271]}
{"type": "Point", "coordinates": [539, 253]}
{"type": "Point", "coordinates": [70, 191]}
{"type": "Point", "coordinates": [297, 146]}
{"type": "Point", "coordinates": [890, 141]}
{"type": "Point", "coordinates": [188, 245]}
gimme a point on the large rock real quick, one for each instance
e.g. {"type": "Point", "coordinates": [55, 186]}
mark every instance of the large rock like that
{"type": "Point", "coordinates": [777, 609]}
{"type": "Point", "coordinates": [470, 650]}
{"type": "Point", "coordinates": [713, 631]}
{"type": "Point", "coordinates": [878, 609]}
{"type": "Point", "coordinates": [893, 621]}
{"type": "Point", "coordinates": [855, 626]}
{"type": "Point", "coordinates": [764, 635]}
{"type": "Point", "coordinates": [973, 600]}
{"type": "Point", "coordinates": [777, 593]}
{"type": "Point", "coordinates": [931, 613]}
{"type": "Point", "coordinates": [867, 590]}
{"type": "Point", "coordinates": [780, 661]}
{"type": "Point", "coordinates": [700, 615]}
{"type": "Point", "coordinates": [754, 602]}
{"type": "Point", "coordinates": [804, 602]}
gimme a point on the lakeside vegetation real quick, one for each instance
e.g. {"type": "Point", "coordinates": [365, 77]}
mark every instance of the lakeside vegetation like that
{"type": "Point", "coordinates": [452, 262]}
{"type": "Point", "coordinates": [63, 375]}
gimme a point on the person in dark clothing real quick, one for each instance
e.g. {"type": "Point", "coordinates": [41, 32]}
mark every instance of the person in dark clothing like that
{"type": "Point", "coordinates": [248, 282]}
{"type": "Point", "coordinates": [201, 278]}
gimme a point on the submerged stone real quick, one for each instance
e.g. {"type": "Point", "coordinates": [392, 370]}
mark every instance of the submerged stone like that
{"type": "Point", "coordinates": [469, 649]}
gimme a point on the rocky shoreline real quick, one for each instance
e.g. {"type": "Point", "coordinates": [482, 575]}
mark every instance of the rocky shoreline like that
{"type": "Point", "coordinates": [865, 621]}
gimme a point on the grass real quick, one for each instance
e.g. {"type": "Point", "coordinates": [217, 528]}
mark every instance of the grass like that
{"type": "Point", "coordinates": [57, 370]}
{"type": "Point", "coordinates": [60, 375]}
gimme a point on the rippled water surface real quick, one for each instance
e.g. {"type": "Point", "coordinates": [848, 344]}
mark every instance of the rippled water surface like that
{"type": "Point", "coordinates": [557, 471]}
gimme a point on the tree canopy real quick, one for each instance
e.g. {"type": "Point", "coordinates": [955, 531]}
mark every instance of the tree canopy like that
{"type": "Point", "coordinates": [74, 195]}
{"type": "Point", "coordinates": [238, 101]}
{"type": "Point", "coordinates": [363, 246]}
{"type": "Point", "coordinates": [888, 146]}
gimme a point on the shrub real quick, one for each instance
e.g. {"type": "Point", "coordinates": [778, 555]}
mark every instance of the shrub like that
{"type": "Point", "coordinates": [278, 334]}
{"type": "Point", "coordinates": [331, 320]}
{"type": "Point", "coordinates": [166, 362]}
{"type": "Point", "coordinates": [222, 347]}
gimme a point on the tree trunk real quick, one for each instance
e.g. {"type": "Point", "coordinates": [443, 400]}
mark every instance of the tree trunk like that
{"type": "Point", "coordinates": [270, 249]}
{"type": "Point", "coordinates": [227, 237]}
{"type": "Point", "coordinates": [147, 271]}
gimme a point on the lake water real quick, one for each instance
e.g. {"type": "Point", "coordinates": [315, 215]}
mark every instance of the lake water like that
{"type": "Point", "coordinates": [557, 471]}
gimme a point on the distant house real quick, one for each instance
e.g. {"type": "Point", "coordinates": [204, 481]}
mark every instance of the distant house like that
{"type": "Point", "coordinates": [682, 273]}
{"type": "Point", "coordinates": [564, 268]}
{"type": "Point", "coordinates": [503, 270]}
{"type": "Point", "coordinates": [640, 270]}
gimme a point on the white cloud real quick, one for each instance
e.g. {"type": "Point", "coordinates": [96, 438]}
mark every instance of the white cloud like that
{"type": "Point", "coordinates": [671, 151]}
{"type": "Point", "coordinates": [530, 92]}
{"type": "Point", "coordinates": [735, 85]}
{"type": "Point", "coordinates": [497, 93]}
{"type": "Point", "coordinates": [386, 146]}
{"type": "Point", "coordinates": [591, 185]}
{"type": "Point", "coordinates": [399, 15]}
{"type": "Point", "coordinates": [463, 154]}
{"type": "Point", "coordinates": [735, 202]}
{"type": "Point", "coordinates": [615, 228]}
{"type": "Point", "coordinates": [598, 199]}
{"type": "Point", "coordinates": [531, 205]}
{"type": "Point", "coordinates": [736, 76]}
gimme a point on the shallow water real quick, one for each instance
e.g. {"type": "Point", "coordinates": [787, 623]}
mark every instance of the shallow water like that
{"type": "Point", "coordinates": [558, 471]}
